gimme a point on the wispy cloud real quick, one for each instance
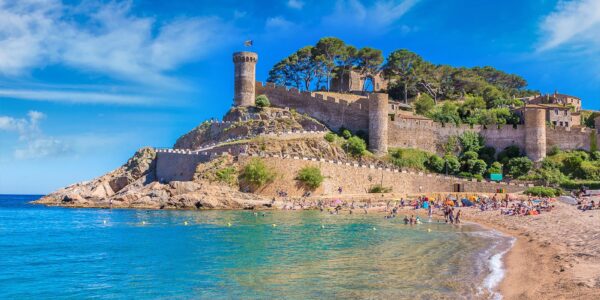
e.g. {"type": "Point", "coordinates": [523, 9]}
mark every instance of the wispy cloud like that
{"type": "Point", "coordinates": [278, 23]}
{"type": "Point", "coordinates": [84, 97]}
{"type": "Point", "coordinates": [379, 16]}
{"type": "Point", "coordinates": [295, 4]}
{"type": "Point", "coordinates": [103, 38]}
{"type": "Point", "coordinates": [572, 24]}
{"type": "Point", "coordinates": [32, 143]}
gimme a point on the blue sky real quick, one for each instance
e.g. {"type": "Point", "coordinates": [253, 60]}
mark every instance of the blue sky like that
{"type": "Point", "coordinates": [85, 84]}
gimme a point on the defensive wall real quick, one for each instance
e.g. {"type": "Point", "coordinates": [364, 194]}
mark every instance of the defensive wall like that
{"type": "Point", "coordinates": [355, 178]}
{"type": "Point", "coordinates": [429, 136]}
{"type": "Point", "coordinates": [333, 112]}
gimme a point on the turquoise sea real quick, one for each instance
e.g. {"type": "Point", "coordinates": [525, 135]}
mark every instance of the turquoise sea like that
{"type": "Point", "coordinates": [60, 253]}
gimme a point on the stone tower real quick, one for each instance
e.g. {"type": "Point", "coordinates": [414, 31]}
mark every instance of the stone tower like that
{"type": "Point", "coordinates": [245, 78]}
{"type": "Point", "coordinates": [535, 133]}
{"type": "Point", "coordinates": [378, 123]}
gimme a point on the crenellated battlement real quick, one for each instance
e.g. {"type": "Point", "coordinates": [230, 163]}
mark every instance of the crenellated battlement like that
{"type": "Point", "coordinates": [334, 112]}
{"type": "Point", "coordinates": [360, 104]}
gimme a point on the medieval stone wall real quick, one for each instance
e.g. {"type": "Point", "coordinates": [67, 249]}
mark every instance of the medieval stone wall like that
{"type": "Point", "coordinates": [429, 136]}
{"type": "Point", "coordinates": [569, 138]}
{"type": "Point", "coordinates": [333, 112]}
{"type": "Point", "coordinates": [357, 179]}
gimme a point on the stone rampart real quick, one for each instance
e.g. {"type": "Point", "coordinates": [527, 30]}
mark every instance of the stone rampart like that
{"type": "Point", "coordinates": [429, 136]}
{"type": "Point", "coordinates": [355, 178]}
{"type": "Point", "coordinates": [570, 138]}
{"type": "Point", "coordinates": [334, 113]}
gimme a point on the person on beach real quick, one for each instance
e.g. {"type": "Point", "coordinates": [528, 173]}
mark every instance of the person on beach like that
{"type": "Point", "coordinates": [451, 215]}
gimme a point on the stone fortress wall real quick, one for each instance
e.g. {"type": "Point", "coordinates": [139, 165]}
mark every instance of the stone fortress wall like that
{"type": "Point", "coordinates": [333, 112]}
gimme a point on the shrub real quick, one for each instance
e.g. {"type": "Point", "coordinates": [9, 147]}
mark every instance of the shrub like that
{"type": "Point", "coordinates": [595, 155]}
{"type": "Point", "coordinates": [518, 166]}
{"type": "Point", "coordinates": [554, 150]}
{"type": "Point", "coordinates": [436, 163]}
{"type": "Point", "coordinates": [226, 175]}
{"type": "Point", "coordinates": [310, 176]}
{"type": "Point", "coordinates": [355, 146]}
{"type": "Point", "coordinates": [378, 188]}
{"type": "Point", "coordinates": [452, 165]}
{"type": "Point", "coordinates": [423, 104]}
{"type": "Point", "coordinates": [476, 166]}
{"type": "Point", "coordinates": [330, 137]}
{"type": "Point", "coordinates": [256, 173]}
{"type": "Point", "coordinates": [471, 141]}
{"type": "Point", "coordinates": [542, 191]}
{"type": "Point", "coordinates": [465, 175]}
{"type": "Point", "coordinates": [488, 154]}
{"type": "Point", "coordinates": [572, 165]}
{"type": "Point", "coordinates": [479, 177]}
{"type": "Point", "coordinates": [262, 101]}
{"type": "Point", "coordinates": [509, 152]}
{"type": "Point", "coordinates": [575, 185]}
{"type": "Point", "coordinates": [409, 158]}
{"type": "Point", "coordinates": [469, 155]}
{"type": "Point", "coordinates": [345, 133]}
{"type": "Point", "coordinates": [495, 168]}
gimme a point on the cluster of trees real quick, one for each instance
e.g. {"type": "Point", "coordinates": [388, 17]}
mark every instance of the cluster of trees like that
{"type": "Point", "coordinates": [312, 67]}
{"type": "Point", "coordinates": [567, 168]}
{"type": "Point", "coordinates": [466, 156]}
{"type": "Point", "coordinates": [473, 110]}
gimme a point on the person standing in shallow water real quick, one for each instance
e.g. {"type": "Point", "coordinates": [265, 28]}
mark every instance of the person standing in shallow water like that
{"type": "Point", "coordinates": [457, 218]}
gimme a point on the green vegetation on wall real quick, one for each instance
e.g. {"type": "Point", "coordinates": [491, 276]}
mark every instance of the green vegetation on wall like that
{"type": "Point", "coordinates": [256, 173]}
{"type": "Point", "coordinates": [310, 176]}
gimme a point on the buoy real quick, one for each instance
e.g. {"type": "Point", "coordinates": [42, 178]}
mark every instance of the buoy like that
{"type": "Point", "coordinates": [322, 226]}
{"type": "Point", "coordinates": [374, 228]}
{"type": "Point", "coordinates": [229, 224]}
{"type": "Point", "coordinates": [185, 223]}
{"type": "Point", "coordinates": [428, 229]}
{"type": "Point", "coordinates": [274, 225]}
{"type": "Point", "coordinates": [104, 221]}
{"type": "Point", "coordinates": [143, 222]}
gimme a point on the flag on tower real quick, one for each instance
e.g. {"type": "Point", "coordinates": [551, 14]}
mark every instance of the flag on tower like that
{"type": "Point", "coordinates": [248, 43]}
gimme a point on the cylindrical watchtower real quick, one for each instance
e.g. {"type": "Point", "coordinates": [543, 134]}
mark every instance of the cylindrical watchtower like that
{"type": "Point", "coordinates": [535, 133]}
{"type": "Point", "coordinates": [378, 123]}
{"type": "Point", "coordinates": [245, 77]}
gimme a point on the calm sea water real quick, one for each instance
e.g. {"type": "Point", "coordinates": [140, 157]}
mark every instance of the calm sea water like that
{"type": "Point", "coordinates": [48, 252]}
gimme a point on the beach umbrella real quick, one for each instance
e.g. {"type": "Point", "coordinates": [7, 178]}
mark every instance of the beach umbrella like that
{"type": "Point", "coordinates": [568, 200]}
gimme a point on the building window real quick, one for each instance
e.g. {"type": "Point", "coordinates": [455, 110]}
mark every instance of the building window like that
{"type": "Point", "coordinates": [566, 112]}
{"type": "Point", "coordinates": [561, 123]}
{"type": "Point", "coordinates": [566, 124]}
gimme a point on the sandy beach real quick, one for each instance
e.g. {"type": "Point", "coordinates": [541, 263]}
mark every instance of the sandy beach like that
{"type": "Point", "coordinates": [555, 255]}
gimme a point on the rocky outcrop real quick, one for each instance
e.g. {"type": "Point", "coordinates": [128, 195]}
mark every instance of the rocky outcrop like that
{"type": "Point", "coordinates": [133, 185]}
{"type": "Point", "coordinates": [247, 121]}
{"type": "Point", "coordinates": [99, 190]}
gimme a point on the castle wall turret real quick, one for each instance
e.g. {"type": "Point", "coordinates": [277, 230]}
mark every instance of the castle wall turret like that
{"type": "Point", "coordinates": [535, 133]}
{"type": "Point", "coordinates": [378, 123]}
{"type": "Point", "coordinates": [245, 78]}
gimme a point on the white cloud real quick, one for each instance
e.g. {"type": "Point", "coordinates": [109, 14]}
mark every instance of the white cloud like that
{"type": "Point", "coordinates": [295, 4]}
{"type": "Point", "coordinates": [32, 142]}
{"type": "Point", "coordinates": [76, 97]}
{"type": "Point", "coordinates": [376, 17]}
{"type": "Point", "coordinates": [279, 23]}
{"type": "Point", "coordinates": [572, 23]}
{"type": "Point", "coordinates": [103, 38]}
{"type": "Point", "coordinates": [42, 147]}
